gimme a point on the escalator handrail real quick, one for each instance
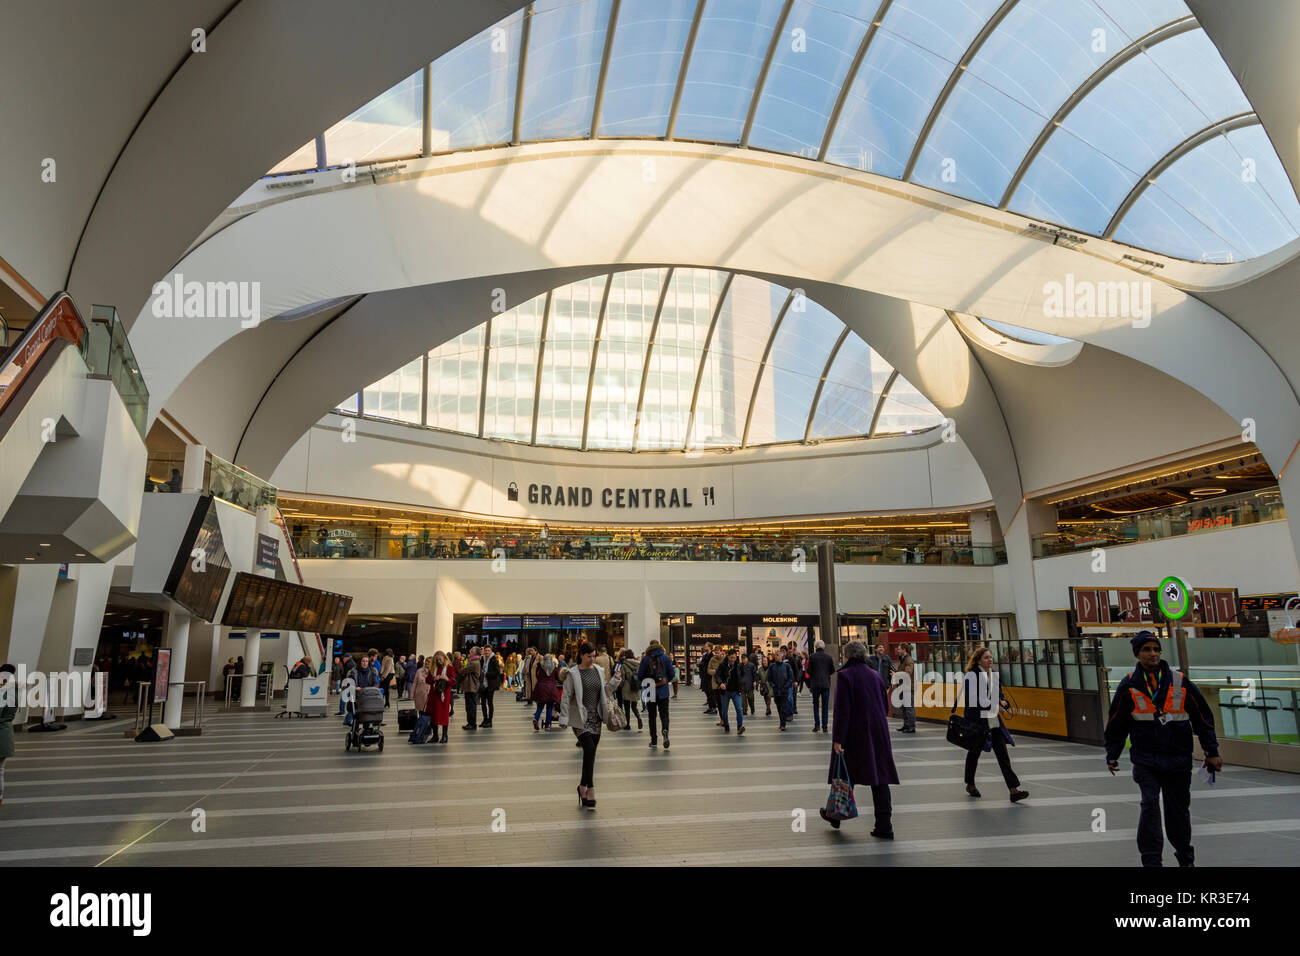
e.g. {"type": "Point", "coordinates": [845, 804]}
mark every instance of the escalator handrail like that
{"type": "Point", "coordinates": [59, 319]}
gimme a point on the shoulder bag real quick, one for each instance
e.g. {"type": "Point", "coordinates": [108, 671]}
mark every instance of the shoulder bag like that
{"type": "Point", "coordinates": [964, 733]}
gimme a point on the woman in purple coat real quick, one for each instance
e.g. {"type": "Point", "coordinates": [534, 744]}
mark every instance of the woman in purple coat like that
{"type": "Point", "coordinates": [860, 732]}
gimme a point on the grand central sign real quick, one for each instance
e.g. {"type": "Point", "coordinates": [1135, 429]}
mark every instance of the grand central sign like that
{"type": "Point", "coordinates": [582, 496]}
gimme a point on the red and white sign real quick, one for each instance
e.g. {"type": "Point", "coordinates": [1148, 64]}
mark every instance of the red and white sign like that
{"type": "Point", "coordinates": [904, 616]}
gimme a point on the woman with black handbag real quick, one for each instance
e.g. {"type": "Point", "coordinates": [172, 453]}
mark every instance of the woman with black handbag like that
{"type": "Point", "coordinates": [987, 731]}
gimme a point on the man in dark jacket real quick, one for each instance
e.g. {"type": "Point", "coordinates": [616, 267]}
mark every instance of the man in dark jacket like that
{"type": "Point", "coordinates": [748, 674]}
{"type": "Point", "coordinates": [781, 679]}
{"type": "Point", "coordinates": [1159, 710]}
{"type": "Point", "coordinates": [728, 679]}
{"type": "Point", "coordinates": [821, 667]}
{"type": "Point", "coordinates": [706, 683]}
{"type": "Point", "coordinates": [657, 668]}
{"type": "Point", "coordinates": [491, 684]}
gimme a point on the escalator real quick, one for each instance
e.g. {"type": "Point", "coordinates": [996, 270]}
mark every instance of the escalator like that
{"type": "Point", "coordinates": [72, 409]}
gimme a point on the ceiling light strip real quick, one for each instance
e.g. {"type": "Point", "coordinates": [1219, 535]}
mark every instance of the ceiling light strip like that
{"type": "Point", "coordinates": [821, 383]}
{"type": "Point", "coordinates": [1198, 138]}
{"type": "Point", "coordinates": [762, 73]}
{"type": "Point", "coordinates": [849, 79]}
{"type": "Point", "coordinates": [953, 77]}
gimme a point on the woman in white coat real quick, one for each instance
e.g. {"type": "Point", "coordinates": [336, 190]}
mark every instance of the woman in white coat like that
{"type": "Point", "coordinates": [583, 707]}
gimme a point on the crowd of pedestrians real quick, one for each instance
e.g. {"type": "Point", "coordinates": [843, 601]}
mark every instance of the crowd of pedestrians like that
{"type": "Point", "coordinates": [1156, 707]}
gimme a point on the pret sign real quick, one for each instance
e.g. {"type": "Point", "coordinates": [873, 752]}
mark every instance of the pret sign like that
{"type": "Point", "coordinates": [904, 616]}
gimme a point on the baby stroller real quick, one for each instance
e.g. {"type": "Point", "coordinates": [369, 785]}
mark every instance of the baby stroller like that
{"type": "Point", "coordinates": [367, 717]}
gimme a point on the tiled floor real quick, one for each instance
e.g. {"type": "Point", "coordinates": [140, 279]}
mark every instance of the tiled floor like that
{"type": "Point", "coordinates": [257, 791]}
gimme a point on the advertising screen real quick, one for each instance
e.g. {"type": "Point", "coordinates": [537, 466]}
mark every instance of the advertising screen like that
{"type": "Point", "coordinates": [199, 572]}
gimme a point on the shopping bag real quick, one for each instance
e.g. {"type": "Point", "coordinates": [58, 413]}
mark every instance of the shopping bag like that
{"type": "Point", "coordinates": [841, 805]}
{"type": "Point", "coordinates": [615, 719]}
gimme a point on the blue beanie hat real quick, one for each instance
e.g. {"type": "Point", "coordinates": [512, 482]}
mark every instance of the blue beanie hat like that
{"type": "Point", "coordinates": [1141, 638]}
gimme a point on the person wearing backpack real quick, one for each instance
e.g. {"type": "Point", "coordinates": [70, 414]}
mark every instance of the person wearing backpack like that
{"type": "Point", "coordinates": [781, 680]}
{"type": "Point", "coordinates": [728, 681]}
{"type": "Point", "coordinates": [764, 688]}
{"type": "Point", "coordinates": [658, 668]}
{"type": "Point", "coordinates": [629, 691]}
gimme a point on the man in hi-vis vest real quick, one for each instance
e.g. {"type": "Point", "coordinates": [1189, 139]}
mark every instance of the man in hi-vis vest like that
{"type": "Point", "coordinates": [1159, 709]}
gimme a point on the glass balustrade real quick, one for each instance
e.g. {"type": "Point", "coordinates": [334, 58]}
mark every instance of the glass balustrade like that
{"type": "Point", "coordinates": [1192, 517]}
{"type": "Point", "coordinates": [109, 355]}
{"type": "Point", "coordinates": [380, 544]}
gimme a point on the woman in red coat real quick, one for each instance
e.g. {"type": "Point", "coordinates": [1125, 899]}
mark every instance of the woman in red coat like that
{"type": "Point", "coordinates": [442, 678]}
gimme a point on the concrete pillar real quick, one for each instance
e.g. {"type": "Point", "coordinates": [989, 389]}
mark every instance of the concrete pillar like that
{"type": "Point", "coordinates": [1031, 519]}
{"type": "Point", "coordinates": [178, 639]}
{"type": "Point", "coordinates": [75, 621]}
{"type": "Point", "coordinates": [192, 471]}
{"type": "Point", "coordinates": [985, 533]}
{"type": "Point", "coordinates": [252, 654]}
{"type": "Point", "coordinates": [26, 594]}
{"type": "Point", "coordinates": [643, 623]}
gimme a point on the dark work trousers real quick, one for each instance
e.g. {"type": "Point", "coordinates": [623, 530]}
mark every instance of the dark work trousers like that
{"type": "Point", "coordinates": [1004, 761]}
{"type": "Point", "coordinates": [588, 742]}
{"type": "Point", "coordinates": [748, 695]}
{"type": "Point", "coordinates": [822, 703]}
{"type": "Point", "coordinates": [485, 699]}
{"type": "Point", "coordinates": [658, 707]}
{"type": "Point", "coordinates": [883, 807]}
{"type": "Point", "coordinates": [710, 693]}
{"type": "Point", "coordinates": [909, 718]}
{"type": "Point", "coordinates": [630, 708]}
{"type": "Point", "coordinates": [767, 702]}
{"type": "Point", "coordinates": [471, 708]}
{"type": "Point", "coordinates": [1176, 788]}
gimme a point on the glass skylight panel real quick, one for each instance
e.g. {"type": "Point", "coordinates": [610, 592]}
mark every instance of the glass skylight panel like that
{"type": "Point", "coordinates": [388, 127]}
{"type": "Point", "coordinates": [730, 45]}
{"type": "Point", "coordinates": [1159, 223]}
{"type": "Point", "coordinates": [566, 365]}
{"type": "Point", "coordinates": [1137, 18]}
{"type": "Point", "coordinates": [853, 386]}
{"type": "Point", "coordinates": [799, 354]}
{"type": "Point", "coordinates": [473, 89]}
{"type": "Point", "coordinates": [300, 160]}
{"type": "Point", "coordinates": [744, 326]}
{"type": "Point", "coordinates": [396, 396]}
{"type": "Point", "coordinates": [620, 357]}
{"type": "Point", "coordinates": [1193, 62]}
{"type": "Point", "coordinates": [565, 46]}
{"type": "Point", "coordinates": [512, 371]}
{"type": "Point", "coordinates": [352, 405]}
{"type": "Point", "coordinates": [456, 382]}
{"type": "Point", "coordinates": [644, 63]}
{"type": "Point", "coordinates": [1133, 118]}
{"type": "Point", "coordinates": [1038, 55]}
{"type": "Point", "coordinates": [910, 58]}
{"type": "Point", "coordinates": [977, 142]}
{"type": "Point", "coordinates": [1031, 336]}
{"type": "Point", "coordinates": [808, 70]}
{"type": "Point", "coordinates": [675, 358]}
{"type": "Point", "coordinates": [906, 410]}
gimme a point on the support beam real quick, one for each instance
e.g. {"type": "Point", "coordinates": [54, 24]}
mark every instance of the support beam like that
{"type": "Point", "coordinates": [849, 79]}
{"type": "Point", "coordinates": [1158, 35]}
{"type": "Point", "coordinates": [595, 350]}
{"type": "Point", "coordinates": [1168, 159]}
{"type": "Point", "coordinates": [821, 383]}
{"type": "Point", "coordinates": [649, 350]}
{"type": "Point", "coordinates": [599, 99]}
{"type": "Point", "coordinates": [880, 403]}
{"type": "Point", "coordinates": [985, 32]}
{"type": "Point", "coordinates": [541, 359]}
{"type": "Point", "coordinates": [777, 31]}
{"type": "Point", "coordinates": [519, 80]}
{"type": "Point", "coordinates": [704, 359]}
{"type": "Point", "coordinates": [762, 366]}
{"type": "Point", "coordinates": [686, 65]}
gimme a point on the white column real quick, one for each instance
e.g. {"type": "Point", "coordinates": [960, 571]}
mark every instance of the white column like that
{"type": "Point", "coordinates": [178, 639]}
{"type": "Point", "coordinates": [253, 641]}
{"type": "Point", "coordinates": [26, 594]}
{"type": "Point", "coordinates": [75, 621]}
{"type": "Point", "coordinates": [192, 472]}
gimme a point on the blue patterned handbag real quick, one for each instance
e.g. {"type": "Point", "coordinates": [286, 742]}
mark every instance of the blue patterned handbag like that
{"type": "Point", "coordinates": [840, 805]}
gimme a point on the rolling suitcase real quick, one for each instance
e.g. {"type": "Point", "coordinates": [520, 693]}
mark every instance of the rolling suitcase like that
{"type": "Point", "coordinates": [421, 732]}
{"type": "Point", "coordinates": [406, 717]}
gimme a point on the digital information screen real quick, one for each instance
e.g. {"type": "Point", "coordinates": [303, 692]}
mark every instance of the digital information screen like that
{"type": "Point", "coordinates": [199, 573]}
{"type": "Point", "coordinates": [256, 601]}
